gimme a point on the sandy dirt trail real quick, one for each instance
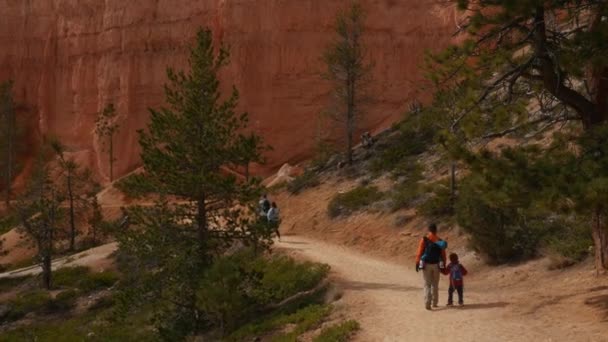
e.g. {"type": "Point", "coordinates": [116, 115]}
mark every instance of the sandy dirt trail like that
{"type": "Point", "coordinates": [387, 300]}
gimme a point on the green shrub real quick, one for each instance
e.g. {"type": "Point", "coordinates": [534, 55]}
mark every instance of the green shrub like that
{"type": "Point", "coordinates": [308, 179]}
{"type": "Point", "coordinates": [304, 319]}
{"type": "Point", "coordinates": [570, 238]}
{"type": "Point", "coordinates": [440, 204]}
{"type": "Point", "coordinates": [237, 288]}
{"type": "Point", "coordinates": [7, 284]}
{"type": "Point", "coordinates": [338, 333]}
{"type": "Point", "coordinates": [64, 301]}
{"type": "Point", "coordinates": [98, 281]}
{"type": "Point", "coordinates": [69, 276]}
{"type": "Point", "coordinates": [82, 278]}
{"type": "Point", "coordinates": [32, 301]}
{"type": "Point", "coordinates": [282, 277]}
{"type": "Point", "coordinates": [500, 232]}
{"type": "Point", "coordinates": [409, 189]}
{"type": "Point", "coordinates": [356, 199]}
{"type": "Point", "coordinates": [411, 140]}
{"type": "Point", "coordinates": [94, 326]}
{"type": "Point", "coordinates": [8, 222]}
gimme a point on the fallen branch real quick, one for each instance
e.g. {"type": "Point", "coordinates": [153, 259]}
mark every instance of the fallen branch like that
{"type": "Point", "coordinates": [289, 300]}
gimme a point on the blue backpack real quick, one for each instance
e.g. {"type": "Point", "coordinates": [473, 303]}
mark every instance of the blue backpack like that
{"type": "Point", "coordinates": [432, 250]}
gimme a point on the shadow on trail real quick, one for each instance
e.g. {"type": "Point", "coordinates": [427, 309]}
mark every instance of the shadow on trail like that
{"type": "Point", "coordinates": [294, 242]}
{"type": "Point", "coordinates": [600, 303]}
{"type": "Point", "coordinates": [479, 306]}
{"type": "Point", "coordinates": [362, 286]}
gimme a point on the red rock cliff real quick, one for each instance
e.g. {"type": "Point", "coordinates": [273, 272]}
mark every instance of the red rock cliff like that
{"type": "Point", "coordinates": [71, 57]}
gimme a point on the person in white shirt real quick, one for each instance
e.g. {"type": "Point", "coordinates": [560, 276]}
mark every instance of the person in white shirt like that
{"type": "Point", "coordinates": [274, 218]}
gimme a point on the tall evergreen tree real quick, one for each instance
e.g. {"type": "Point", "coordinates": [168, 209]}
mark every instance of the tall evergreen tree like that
{"type": "Point", "coordinates": [79, 187]}
{"type": "Point", "coordinates": [347, 70]}
{"type": "Point", "coordinates": [39, 212]}
{"type": "Point", "coordinates": [531, 65]}
{"type": "Point", "coordinates": [185, 150]}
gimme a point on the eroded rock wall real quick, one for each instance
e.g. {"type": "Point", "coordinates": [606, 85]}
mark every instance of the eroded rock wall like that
{"type": "Point", "coordinates": [71, 57]}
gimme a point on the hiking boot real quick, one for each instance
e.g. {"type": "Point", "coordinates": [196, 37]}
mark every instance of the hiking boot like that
{"type": "Point", "coordinates": [461, 303]}
{"type": "Point", "coordinates": [450, 304]}
{"type": "Point", "coordinates": [435, 305]}
{"type": "Point", "coordinates": [428, 307]}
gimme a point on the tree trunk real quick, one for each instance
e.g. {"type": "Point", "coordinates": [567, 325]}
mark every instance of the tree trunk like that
{"type": "Point", "coordinates": [453, 182]}
{"type": "Point", "coordinates": [350, 118]}
{"type": "Point", "coordinates": [201, 216]}
{"type": "Point", "coordinates": [46, 271]}
{"type": "Point", "coordinates": [9, 156]}
{"type": "Point", "coordinates": [111, 157]}
{"type": "Point", "coordinates": [600, 239]}
{"type": "Point", "coordinates": [72, 219]}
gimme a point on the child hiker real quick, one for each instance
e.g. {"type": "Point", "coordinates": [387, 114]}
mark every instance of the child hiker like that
{"type": "Point", "coordinates": [456, 271]}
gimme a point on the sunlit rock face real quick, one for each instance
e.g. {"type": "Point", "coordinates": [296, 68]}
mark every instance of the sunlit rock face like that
{"type": "Point", "coordinates": [70, 57]}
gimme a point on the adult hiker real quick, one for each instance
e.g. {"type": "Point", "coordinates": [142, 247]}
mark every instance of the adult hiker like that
{"type": "Point", "coordinates": [431, 259]}
{"type": "Point", "coordinates": [274, 218]}
{"type": "Point", "coordinates": [264, 205]}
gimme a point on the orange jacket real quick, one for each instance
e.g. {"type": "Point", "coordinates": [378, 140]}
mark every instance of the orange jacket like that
{"type": "Point", "coordinates": [421, 247]}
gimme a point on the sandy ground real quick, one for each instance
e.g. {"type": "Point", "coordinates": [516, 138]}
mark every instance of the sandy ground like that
{"type": "Point", "coordinates": [386, 298]}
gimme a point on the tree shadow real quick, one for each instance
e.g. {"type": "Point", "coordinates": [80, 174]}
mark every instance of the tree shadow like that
{"type": "Point", "coordinates": [480, 306]}
{"type": "Point", "coordinates": [598, 288]}
{"type": "Point", "coordinates": [294, 242]}
{"type": "Point", "coordinates": [600, 303]}
{"type": "Point", "coordinates": [363, 286]}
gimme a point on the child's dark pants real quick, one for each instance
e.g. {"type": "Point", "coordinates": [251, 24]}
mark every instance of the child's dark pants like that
{"type": "Point", "coordinates": [458, 289]}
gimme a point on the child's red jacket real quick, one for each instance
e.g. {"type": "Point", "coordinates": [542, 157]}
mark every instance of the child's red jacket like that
{"type": "Point", "coordinates": [452, 267]}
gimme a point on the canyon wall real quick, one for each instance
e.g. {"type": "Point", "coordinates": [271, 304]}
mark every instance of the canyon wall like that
{"type": "Point", "coordinates": [69, 58]}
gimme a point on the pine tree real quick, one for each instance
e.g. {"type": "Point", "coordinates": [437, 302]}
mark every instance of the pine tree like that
{"type": "Point", "coordinates": [347, 70]}
{"type": "Point", "coordinates": [79, 185]}
{"type": "Point", "coordinates": [530, 66]}
{"type": "Point", "coordinates": [106, 128]}
{"type": "Point", "coordinates": [185, 150]}
{"type": "Point", "coordinates": [39, 212]}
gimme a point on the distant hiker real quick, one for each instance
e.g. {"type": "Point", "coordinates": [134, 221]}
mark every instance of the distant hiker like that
{"type": "Point", "coordinates": [456, 271]}
{"type": "Point", "coordinates": [264, 205]}
{"type": "Point", "coordinates": [274, 219]}
{"type": "Point", "coordinates": [431, 260]}
{"type": "Point", "coordinates": [366, 140]}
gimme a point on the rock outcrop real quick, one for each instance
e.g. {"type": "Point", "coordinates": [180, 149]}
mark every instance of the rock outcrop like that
{"type": "Point", "coordinates": [71, 57]}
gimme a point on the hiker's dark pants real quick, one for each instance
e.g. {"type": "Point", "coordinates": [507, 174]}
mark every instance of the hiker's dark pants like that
{"type": "Point", "coordinates": [460, 290]}
{"type": "Point", "coordinates": [275, 226]}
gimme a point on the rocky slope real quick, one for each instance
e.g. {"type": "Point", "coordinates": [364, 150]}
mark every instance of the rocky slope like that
{"type": "Point", "coordinates": [71, 57]}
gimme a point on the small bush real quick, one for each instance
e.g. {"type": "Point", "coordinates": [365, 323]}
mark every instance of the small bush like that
{"type": "Point", "coordinates": [70, 276]}
{"type": "Point", "coordinates": [64, 301]}
{"type": "Point", "coordinates": [239, 287]}
{"type": "Point", "coordinates": [33, 301]}
{"type": "Point", "coordinates": [98, 281]}
{"type": "Point", "coordinates": [351, 201]}
{"type": "Point", "coordinates": [309, 179]}
{"type": "Point", "coordinates": [411, 140]}
{"type": "Point", "coordinates": [8, 222]}
{"type": "Point", "coordinates": [338, 333]}
{"type": "Point", "coordinates": [283, 277]}
{"type": "Point", "coordinates": [304, 319]}
{"type": "Point", "coordinates": [7, 284]}
{"type": "Point", "coordinates": [82, 278]}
